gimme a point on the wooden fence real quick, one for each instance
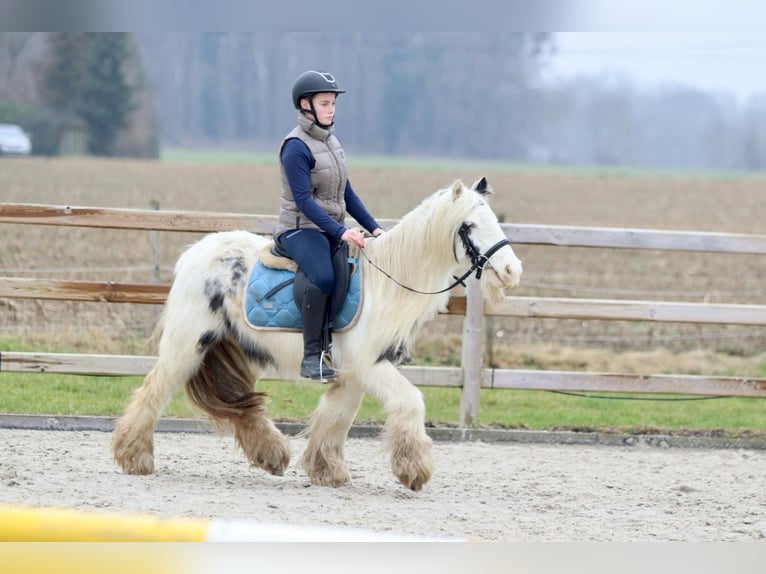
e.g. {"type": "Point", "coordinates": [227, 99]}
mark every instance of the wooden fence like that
{"type": "Point", "coordinates": [471, 376]}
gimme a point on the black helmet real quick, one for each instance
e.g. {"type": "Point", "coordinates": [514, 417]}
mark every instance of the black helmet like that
{"type": "Point", "coordinates": [313, 82]}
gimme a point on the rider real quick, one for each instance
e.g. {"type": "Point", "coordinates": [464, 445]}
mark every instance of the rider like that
{"type": "Point", "coordinates": [316, 194]}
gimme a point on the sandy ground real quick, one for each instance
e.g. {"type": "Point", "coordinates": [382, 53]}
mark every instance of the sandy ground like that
{"type": "Point", "coordinates": [480, 491]}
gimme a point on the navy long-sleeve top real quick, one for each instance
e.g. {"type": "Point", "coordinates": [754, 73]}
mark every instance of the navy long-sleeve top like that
{"type": "Point", "coordinates": [298, 163]}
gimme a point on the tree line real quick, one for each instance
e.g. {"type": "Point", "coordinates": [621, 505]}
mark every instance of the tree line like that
{"type": "Point", "coordinates": [426, 94]}
{"type": "Point", "coordinates": [80, 92]}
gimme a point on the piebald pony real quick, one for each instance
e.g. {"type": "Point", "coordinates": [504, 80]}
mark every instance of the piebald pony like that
{"type": "Point", "coordinates": [206, 344]}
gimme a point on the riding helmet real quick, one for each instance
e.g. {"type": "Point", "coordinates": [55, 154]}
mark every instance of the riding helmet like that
{"type": "Point", "coordinates": [313, 82]}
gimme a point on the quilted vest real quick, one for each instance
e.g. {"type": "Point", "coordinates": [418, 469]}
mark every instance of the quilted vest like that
{"type": "Point", "coordinates": [328, 177]}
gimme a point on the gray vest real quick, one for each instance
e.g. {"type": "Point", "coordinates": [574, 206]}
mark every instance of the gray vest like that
{"type": "Point", "coordinates": [328, 178]}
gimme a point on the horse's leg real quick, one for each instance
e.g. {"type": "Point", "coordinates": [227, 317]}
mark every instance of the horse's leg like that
{"type": "Point", "coordinates": [262, 442]}
{"type": "Point", "coordinates": [323, 458]}
{"type": "Point", "coordinates": [405, 436]}
{"type": "Point", "coordinates": [223, 387]}
{"type": "Point", "coordinates": [132, 440]}
{"type": "Point", "coordinates": [182, 346]}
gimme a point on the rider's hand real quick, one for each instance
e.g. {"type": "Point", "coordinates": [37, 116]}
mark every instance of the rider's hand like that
{"type": "Point", "coordinates": [353, 237]}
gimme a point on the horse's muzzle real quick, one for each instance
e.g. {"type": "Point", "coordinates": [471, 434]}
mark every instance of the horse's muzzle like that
{"type": "Point", "coordinates": [510, 275]}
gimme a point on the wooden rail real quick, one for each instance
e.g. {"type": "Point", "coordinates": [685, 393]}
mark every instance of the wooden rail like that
{"type": "Point", "coordinates": [70, 290]}
{"type": "Point", "coordinates": [621, 238]}
{"type": "Point", "coordinates": [620, 310]}
{"type": "Point", "coordinates": [471, 377]}
{"type": "Point", "coordinates": [511, 306]}
{"type": "Point", "coordinates": [127, 365]}
{"type": "Point", "coordinates": [203, 222]}
{"type": "Point", "coordinates": [114, 218]}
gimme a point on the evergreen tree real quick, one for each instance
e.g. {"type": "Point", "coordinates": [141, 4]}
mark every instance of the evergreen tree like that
{"type": "Point", "coordinates": [64, 71]}
{"type": "Point", "coordinates": [106, 97]}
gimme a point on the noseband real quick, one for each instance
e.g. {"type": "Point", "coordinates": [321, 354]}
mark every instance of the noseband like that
{"type": "Point", "coordinates": [478, 260]}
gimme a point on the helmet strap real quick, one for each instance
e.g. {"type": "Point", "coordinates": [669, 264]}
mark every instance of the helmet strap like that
{"type": "Point", "coordinates": [313, 112]}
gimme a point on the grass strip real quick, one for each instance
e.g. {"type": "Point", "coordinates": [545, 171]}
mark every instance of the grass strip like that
{"type": "Point", "coordinates": [500, 408]}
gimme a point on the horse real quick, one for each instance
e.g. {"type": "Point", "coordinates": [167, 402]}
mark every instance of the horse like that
{"type": "Point", "coordinates": [206, 345]}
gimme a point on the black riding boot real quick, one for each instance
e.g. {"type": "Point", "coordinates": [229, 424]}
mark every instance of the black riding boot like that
{"type": "Point", "coordinates": [313, 313]}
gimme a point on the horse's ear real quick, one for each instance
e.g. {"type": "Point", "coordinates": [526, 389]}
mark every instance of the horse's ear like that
{"type": "Point", "coordinates": [457, 188]}
{"type": "Point", "coordinates": [481, 186]}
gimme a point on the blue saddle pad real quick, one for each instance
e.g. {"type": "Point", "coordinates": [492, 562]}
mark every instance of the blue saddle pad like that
{"type": "Point", "coordinates": [279, 310]}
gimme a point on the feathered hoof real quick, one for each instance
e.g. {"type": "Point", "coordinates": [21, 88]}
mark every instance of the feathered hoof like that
{"type": "Point", "coordinates": [414, 485]}
{"type": "Point", "coordinates": [273, 457]}
{"type": "Point", "coordinates": [322, 472]}
{"type": "Point", "coordinates": [134, 454]}
{"type": "Point", "coordinates": [412, 464]}
{"type": "Point", "coordinates": [140, 464]}
{"type": "Point", "coordinates": [335, 479]}
{"type": "Point", "coordinates": [274, 470]}
{"type": "Point", "coordinates": [276, 465]}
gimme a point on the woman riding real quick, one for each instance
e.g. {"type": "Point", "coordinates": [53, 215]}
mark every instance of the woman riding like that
{"type": "Point", "coordinates": [316, 195]}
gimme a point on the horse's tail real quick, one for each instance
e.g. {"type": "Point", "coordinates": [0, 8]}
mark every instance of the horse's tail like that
{"type": "Point", "coordinates": [223, 385]}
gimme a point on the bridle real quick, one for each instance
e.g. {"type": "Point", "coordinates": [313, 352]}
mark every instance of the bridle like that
{"type": "Point", "coordinates": [478, 260]}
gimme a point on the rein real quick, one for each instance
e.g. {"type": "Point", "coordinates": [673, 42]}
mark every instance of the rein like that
{"type": "Point", "coordinates": [478, 261]}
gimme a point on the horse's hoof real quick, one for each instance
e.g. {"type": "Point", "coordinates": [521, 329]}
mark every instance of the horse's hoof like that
{"type": "Point", "coordinates": [275, 458]}
{"type": "Point", "coordinates": [411, 461]}
{"type": "Point", "coordinates": [415, 485]}
{"type": "Point", "coordinates": [140, 465]}
{"type": "Point", "coordinates": [333, 478]}
{"type": "Point", "coordinates": [329, 481]}
{"type": "Point", "coordinates": [276, 470]}
{"type": "Point", "coordinates": [414, 476]}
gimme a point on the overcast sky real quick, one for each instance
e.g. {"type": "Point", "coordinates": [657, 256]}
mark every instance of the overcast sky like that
{"type": "Point", "coordinates": [734, 62]}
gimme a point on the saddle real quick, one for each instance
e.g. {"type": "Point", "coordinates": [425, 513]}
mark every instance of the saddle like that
{"type": "Point", "coordinates": [275, 291]}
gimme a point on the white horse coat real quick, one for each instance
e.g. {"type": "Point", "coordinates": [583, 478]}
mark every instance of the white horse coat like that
{"type": "Point", "coordinates": [206, 344]}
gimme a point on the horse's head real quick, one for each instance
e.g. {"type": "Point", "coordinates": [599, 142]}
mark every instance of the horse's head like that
{"type": "Point", "coordinates": [483, 242]}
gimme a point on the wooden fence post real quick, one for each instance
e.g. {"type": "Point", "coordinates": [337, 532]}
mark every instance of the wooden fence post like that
{"type": "Point", "coordinates": [154, 243]}
{"type": "Point", "coordinates": [471, 356]}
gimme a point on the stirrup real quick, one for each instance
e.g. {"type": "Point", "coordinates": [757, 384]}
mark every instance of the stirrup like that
{"type": "Point", "coordinates": [326, 372]}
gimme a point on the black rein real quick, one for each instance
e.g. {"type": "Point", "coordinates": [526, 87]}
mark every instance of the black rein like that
{"type": "Point", "coordinates": [478, 261]}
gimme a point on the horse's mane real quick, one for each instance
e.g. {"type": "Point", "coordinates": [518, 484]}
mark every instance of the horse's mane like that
{"type": "Point", "coordinates": [424, 238]}
{"type": "Point", "coordinates": [417, 252]}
